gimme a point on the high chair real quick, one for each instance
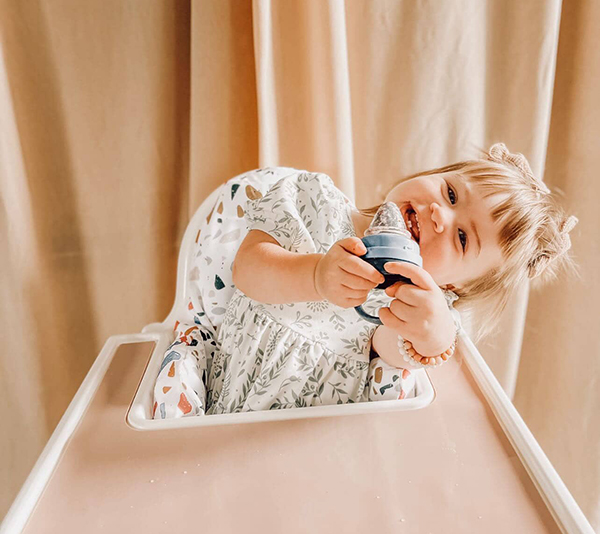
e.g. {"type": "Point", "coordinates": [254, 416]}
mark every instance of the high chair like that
{"type": "Point", "coordinates": [456, 458]}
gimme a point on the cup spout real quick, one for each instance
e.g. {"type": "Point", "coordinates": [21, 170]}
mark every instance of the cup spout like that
{"type": "Point", "coordinates": [388, 220]}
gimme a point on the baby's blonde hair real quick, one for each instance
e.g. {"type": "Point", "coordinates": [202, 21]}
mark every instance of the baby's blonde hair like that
{"type": "Point", "coordinates": [533, 232]}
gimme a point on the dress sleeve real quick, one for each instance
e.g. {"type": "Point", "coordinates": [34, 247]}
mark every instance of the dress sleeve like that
{"type": "Point", "coordinates": [297, 212]}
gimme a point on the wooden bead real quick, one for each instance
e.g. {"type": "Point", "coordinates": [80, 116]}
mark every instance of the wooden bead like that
{"type": "Point", "coordinates": [412, 352]}
{"type": "Point", "coordinates": [407, 344]}
{"type": "Point", "coordinates": [425, 361]}
{"type": "Point", "coordinates": [444, 356]}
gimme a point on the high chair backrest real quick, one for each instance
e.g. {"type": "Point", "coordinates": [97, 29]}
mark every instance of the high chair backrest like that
{"type": "Point", "coordinates": [184, 262]}
{"type": "Point", "coordinates": [262, 179]}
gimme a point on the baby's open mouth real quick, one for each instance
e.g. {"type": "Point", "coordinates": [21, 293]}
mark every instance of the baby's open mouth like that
{"type": "Point", "coordinates": [412, 223]}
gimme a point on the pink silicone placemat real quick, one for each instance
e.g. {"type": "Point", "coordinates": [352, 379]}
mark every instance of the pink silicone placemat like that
{"type": "Point", "coordinates": [446, 468]}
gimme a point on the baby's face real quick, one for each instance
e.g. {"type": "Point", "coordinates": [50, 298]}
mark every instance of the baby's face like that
{"type": "Point", "coordinates": [455, 232]}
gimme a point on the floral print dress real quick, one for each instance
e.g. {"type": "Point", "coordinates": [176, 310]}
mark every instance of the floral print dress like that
{"type": "Point", "coordinates": [299, 354]}
{"type": "Point", "coordinates": [231, 353]}
{"type": "Point", "coordinates": [180, 387]}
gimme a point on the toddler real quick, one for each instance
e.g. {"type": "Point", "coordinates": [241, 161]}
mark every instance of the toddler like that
{"type": "Point", "coordinates": [277, 329]}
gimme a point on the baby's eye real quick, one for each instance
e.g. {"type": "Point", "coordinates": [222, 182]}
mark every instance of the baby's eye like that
{"type": "Point", "coordinates": [451, 195]}
{"type": "Point", "coordinates": [463, 238]}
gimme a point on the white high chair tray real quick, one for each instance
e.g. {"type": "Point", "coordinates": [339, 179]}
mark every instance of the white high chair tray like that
{"type": "Point", "coordinates": [464, 463]}
{"type": "Point", "coordinates": [140, 414]}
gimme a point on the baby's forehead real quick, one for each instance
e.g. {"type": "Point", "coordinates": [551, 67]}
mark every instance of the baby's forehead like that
{"type": "Point", "coordinates": [483, 188]}
{"type": "Point", "coordinates": [490, 204]}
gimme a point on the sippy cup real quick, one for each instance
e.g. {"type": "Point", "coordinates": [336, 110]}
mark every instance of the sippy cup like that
{"type": "Point", "coordinates": [387, 239]}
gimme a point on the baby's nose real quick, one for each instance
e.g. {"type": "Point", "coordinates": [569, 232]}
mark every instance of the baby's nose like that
{"type": "Point", "coordinates": [440, 217]}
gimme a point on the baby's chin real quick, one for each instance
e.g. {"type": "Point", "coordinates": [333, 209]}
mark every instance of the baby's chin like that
{"type": "Point", "coordinates": [438, 275]}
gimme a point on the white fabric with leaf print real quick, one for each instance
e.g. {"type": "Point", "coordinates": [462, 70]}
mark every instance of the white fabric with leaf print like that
{"type": "Point", "coordinates": [299, 354]}
{"type": "Point", "coordinates": [180, 385]}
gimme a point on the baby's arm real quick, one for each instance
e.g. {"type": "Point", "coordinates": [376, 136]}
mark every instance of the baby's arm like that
{"type": "Point", "coordinates": [385, 344]}
{"type": "Point", "coordinates": [266, 272]}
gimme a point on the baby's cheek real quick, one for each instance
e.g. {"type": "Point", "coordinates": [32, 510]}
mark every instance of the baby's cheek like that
{"type": "Point", "coordinates": [439, 263]}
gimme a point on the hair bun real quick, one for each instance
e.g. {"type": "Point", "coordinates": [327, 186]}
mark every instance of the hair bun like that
{"type": "Point", "coordinates": [559, 247]}
{"type": "Point", "coordinates": [538, 264]}
{"type": "Point", "coordinates": [500, 154]}
{"type": "Point", "coordinates": [568, 224]}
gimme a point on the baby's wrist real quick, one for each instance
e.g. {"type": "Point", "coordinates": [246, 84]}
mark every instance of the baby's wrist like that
{"type": "Point", "coordinates": [414, 358]}
{"type": "Point", "coordinates": [383, 345]}
{"type": "Point", "coordinates": [431, 350]}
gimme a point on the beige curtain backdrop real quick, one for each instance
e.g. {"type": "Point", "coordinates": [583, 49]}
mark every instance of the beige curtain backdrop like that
{"type": "Point", "coordinates": [117, 118]}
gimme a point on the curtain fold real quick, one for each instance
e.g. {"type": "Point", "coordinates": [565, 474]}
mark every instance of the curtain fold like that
{"type": "Point", "coordinates": [21, 376]}
{"type": "Point", "coordinates": [117, 118]}
{"type": "Point", "coordinates": [91, 127]}
{"type": "Point", "coordinates": [224, 137]}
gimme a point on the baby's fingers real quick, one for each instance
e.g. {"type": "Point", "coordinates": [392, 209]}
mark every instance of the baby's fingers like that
{"type": "Point", "coordinates": [360, 294]}
{"type": "Point", "coordinates": [353, 245]}
{"type": "Point", "coordinates": [355, 282]}
{"type": "Point", "coordinates": [392, 321]}
{"type": "Point", "coordinates": [407, 293]}
{"type": "Point", "coordinates": [390, 291]}
{"type": "Point", "coordinates": [361, 268]}
{"type": "Point", "coordinates": [419, 276]}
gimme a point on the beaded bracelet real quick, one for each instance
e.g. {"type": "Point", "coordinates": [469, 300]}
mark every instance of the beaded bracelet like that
{"type": "Point", "coordinates": [411, 356]}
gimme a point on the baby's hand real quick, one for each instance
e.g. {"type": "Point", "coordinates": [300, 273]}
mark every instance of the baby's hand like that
{"type": "Point", "coordinates": [419, 312]}
{"type": "Point", "coordinates": [342, 277]}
